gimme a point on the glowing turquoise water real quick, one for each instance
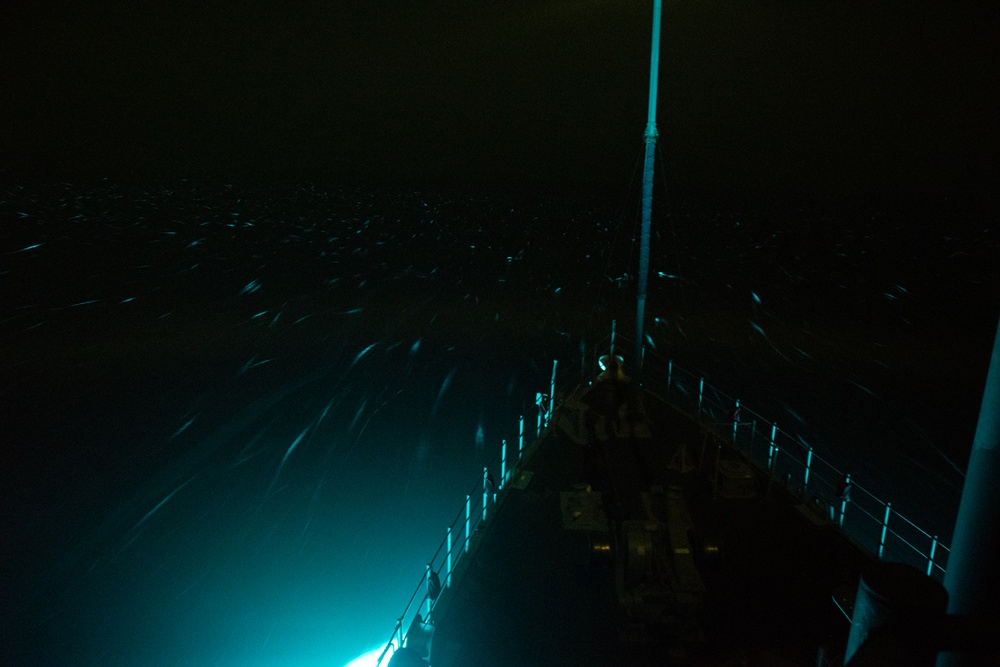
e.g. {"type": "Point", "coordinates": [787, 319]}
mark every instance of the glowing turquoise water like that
{"type": "Point", "coordinates": [243, 416]}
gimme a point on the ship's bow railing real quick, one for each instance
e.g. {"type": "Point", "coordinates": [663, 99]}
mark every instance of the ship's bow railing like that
{"type": "Point", "coordinates": [790, 461]}
{"type": "Point", "coordinates": [462, 535]}
{"type": "Point", "coordinates": [787, 459]}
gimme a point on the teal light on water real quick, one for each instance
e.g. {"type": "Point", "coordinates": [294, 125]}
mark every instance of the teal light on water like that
{"type": "Point", "coordinates": [367, 659]}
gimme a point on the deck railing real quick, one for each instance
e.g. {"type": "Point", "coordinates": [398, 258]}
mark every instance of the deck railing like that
{"type": "Point", "coordinates": [441, 566]}
{"type": "Point", "coordinates": [872, 523]}
{"type": "Point", "coordinates": [460, 535]}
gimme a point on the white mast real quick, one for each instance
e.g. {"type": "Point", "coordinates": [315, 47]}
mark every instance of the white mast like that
{"type": "Point", "coordinates": [647, 184]}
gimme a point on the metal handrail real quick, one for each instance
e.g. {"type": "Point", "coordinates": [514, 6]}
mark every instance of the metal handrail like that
{"type": "Point", "coordinates": [707, 404]}
{"type": "Point", "coordinates": [469, 519]}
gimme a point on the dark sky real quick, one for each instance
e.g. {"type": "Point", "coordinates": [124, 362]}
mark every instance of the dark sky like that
{"type": "Point", "coordinates": [770, 97]}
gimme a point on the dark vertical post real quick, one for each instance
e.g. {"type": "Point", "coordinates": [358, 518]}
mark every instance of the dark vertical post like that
{"type": "Point", "coordinates": [897, 616]}
{"type": "Point", "coordinates": [973, 574]}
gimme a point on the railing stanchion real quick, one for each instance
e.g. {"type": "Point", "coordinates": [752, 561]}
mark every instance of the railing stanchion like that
{"type": "Point", "coordinates": [486, 493]}
{"type": "Point", "coordinates": [552, 393]}
{"type": "Point", "coordinates": [503, 463]}
{"type": "Point", "coordinates": [844, 498]}
{"type": "Point", "coordinates": [520, 437]}
{"type": "Point", "coordinates": [447, 574]}
{"type": "Point", "coordinates": [701, 393]}
{"type": "Point", "coordinates": [670, 373]}
{"type": "Point", "coordinates": [805, 479]}
{"type": "Point", "coordinates": [468, 515]}
{"type": "Point", "coordinates": [427, 597]}
{"type": "Point", "coordinates": [885, 529]}
{"type": "Point", "coordinates": [930, 558]}
{"type": "Point", "coordinates": [770, 452]}
{"type": "Point", "coordinates": [736, 420]}
{"type": "Point", "coordinates": [540, 402]}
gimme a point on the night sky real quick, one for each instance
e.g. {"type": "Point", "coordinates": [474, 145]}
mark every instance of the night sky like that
{"type": "Point", "coordinates": [887, 102]}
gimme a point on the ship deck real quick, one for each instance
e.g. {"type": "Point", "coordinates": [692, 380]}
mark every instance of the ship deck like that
{"type": "Point", "coordinates": [551, 578]}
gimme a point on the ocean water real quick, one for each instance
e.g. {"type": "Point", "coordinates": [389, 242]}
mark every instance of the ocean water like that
{"type": "Point", "coordinates": [239, 416]}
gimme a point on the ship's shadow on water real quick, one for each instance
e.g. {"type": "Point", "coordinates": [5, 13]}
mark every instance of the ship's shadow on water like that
{"type": "Point", "coordinates": [241, 416]}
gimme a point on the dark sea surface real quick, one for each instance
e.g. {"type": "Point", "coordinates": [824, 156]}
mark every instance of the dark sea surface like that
{"type": "Point", "coordinates": [239, 416]}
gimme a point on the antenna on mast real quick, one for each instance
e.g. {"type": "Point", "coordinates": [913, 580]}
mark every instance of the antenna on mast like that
{"type": "Point", "coordinates": [647, 186]}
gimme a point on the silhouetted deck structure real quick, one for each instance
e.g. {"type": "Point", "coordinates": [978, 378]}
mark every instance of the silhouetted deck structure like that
{"type": "Point", "coordinates": [632, 536]}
